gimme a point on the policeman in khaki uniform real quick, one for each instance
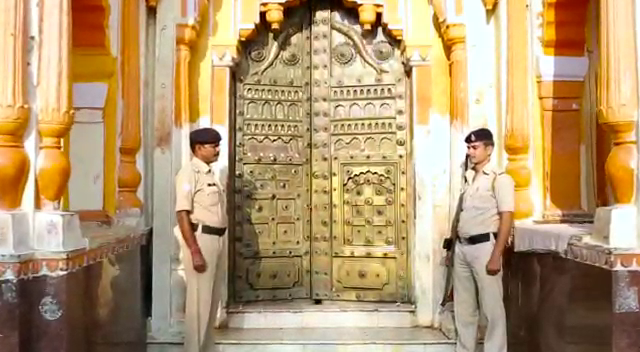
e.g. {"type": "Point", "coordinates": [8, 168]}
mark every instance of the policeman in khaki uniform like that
{"type": "Point", "coordinates": [202, 221]}
{"type": "Point", "coordinates": [484, 225]}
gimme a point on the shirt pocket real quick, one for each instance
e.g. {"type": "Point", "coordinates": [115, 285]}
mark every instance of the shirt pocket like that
{"type": "Point", "coordinates": [484, 201]}
{"type": "Point", "coordinates": [213, 195]}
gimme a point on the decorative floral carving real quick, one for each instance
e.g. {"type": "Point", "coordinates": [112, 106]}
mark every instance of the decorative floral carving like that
{"type": "Point", "coordinates": [257, 54]}
{"type": "Point", "coordinates": [382, 51]}
{"type": "Point", "coordinates": [343, 54]}
{"type": "Point", "coordinates": [290, 58]}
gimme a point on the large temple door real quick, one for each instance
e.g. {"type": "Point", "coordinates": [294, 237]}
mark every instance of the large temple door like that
{"type": "Point", "coordinates": [271, 249]}
{"type": "Point", "coordinates": [320, 162]}
{"type": "Point", "coordinates": [359, 161]}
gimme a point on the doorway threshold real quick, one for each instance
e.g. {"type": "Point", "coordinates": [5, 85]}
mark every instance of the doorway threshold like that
{"type": "Point", "coordinates": [305, 305]}
{"type": "Point", "coordinates": [329, 314]}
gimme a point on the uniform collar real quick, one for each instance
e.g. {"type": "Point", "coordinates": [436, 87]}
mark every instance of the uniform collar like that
{"type": "Point", "coordinates": [487, 170]}
{"type": "Point", "coordinates": [200, 165]}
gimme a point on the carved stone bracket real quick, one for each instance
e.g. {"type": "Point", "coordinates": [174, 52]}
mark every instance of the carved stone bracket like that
{"type": "Point", "coordinates": [14, 112]}
{"type": "Point", "coordinates": [368, 14]}
{"type": "Point", "coordinates": [489, 4]}
{"type": "Point", "coordinates": [274, 14]}
{"type": "Point", "coordinates": [367, 11]}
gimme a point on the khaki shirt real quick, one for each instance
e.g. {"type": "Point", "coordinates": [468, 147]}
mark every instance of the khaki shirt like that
{"type": "Point", "coordinates": [201, 192]}
{"type": "Point", "coordinates": [483, 200]}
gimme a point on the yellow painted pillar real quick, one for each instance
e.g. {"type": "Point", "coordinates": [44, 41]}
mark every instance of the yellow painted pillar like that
{"type": "Point", "coordinates": [129, 177]}
{"type": "Point", "coordinates": [618, 87]}
{"type": "Point", "coordinates": [55, 114]}
{"type": "Point", "coordinates": [456, 38]}
{"type": "Point", "coordinates": [518, 105]}
{"type": "Point", "coordinates": [14, 111]}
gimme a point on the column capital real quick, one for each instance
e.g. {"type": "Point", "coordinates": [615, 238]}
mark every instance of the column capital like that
{"type": "Point", "coordinates": [223, 55]}
{"type": "Point", "coordinates": [186, 34]}
{"type": "Point", "coordinates": [455, 34]}
{"type": "Point", "coordinates": [418, 55]}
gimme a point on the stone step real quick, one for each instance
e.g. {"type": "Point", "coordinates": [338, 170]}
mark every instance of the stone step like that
{"type": "Point", "coordinates": [327, 315]}
{"type": "Point", "coordinates": [324, 340]}
{"type": "Point", "coordinates": [333, 339]}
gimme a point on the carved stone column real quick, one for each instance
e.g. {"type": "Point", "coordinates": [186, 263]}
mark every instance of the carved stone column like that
{"type": "Point", "coordinates": [14, 112]}
{"type": "Point", "coordinates": [55, 114]}
{"type": "Point", "coordinates": [618, 94]}
{"type": "Point", "coordinates": [454, 35]}
{"type": "Point", "coordinates": [54, 230]}
{"type": "Point", "coordinates": [14, 118]}
{"type": "Point", "coordinates": [186, 35]}
{"type": "Point", "coordinates": [456, 39]}
{"type": "Point", "coordinates": [617, 112]}
{"type": "Point", "coordinates": [129, 177]}
{"type": "Point", "coordinates": [518, 105]}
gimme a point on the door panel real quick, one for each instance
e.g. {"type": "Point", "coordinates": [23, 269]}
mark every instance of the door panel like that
{"type": "Point", "coordinates": [321, 162]}
{"type": "Point", "coordinates": [271, 236]}
{"type": "Point", "coordinates": [368, 153]}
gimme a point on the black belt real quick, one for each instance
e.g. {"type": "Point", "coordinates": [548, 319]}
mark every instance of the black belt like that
{"type": "Point", "coordinates": [477, 239]}
{"type": "Point", "coordinates": [209, 230]}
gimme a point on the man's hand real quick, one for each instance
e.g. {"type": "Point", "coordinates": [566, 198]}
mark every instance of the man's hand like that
{"type": "Point", "coordinates": [199, 264]}
{"type": "Point", "coordinates": [494, 265]}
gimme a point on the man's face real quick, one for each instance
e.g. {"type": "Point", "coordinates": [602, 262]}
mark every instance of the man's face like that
{"type": "Point", "coordinates": [478, 152]}
{"type": "Point", "coordinates": [208, 153]}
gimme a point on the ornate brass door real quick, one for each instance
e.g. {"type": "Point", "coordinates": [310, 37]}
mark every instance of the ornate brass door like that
{"type": "Point", "coordinates": [321, 162]}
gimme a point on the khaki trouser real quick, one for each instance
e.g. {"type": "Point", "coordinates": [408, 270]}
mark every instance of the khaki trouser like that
{"type": "Point", "coordinates": [469, 272]}
{"type": "Point", "coordinates": [204, 291]}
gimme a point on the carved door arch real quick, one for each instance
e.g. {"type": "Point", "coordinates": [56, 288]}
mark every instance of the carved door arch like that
{"type": "Point", "coordinates": [321, 162]}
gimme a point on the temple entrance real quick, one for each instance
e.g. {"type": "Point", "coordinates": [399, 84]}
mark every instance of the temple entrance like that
{"type": "Point", "coordinates": [321, 151]}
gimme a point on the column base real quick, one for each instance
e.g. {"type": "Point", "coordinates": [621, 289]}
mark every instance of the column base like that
{"type": "Point", "coordinates": [15, 230]}
{"type": "Point", "coordinates": [129, 217]}
{"type": "Point", "coordinates": [615, 226]}
{"type": "Point", "coordinates": [58, 231]}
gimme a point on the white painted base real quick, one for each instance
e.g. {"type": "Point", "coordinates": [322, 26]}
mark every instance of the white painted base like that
{"type": "Point", "coordinates": [57, 231]}
{"type": "Point", "coordinates": [615, 226]}
{"type": "Point", "coordinates": [130, 217]}
{"type": "Point", "coordinates": [15, 230]}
